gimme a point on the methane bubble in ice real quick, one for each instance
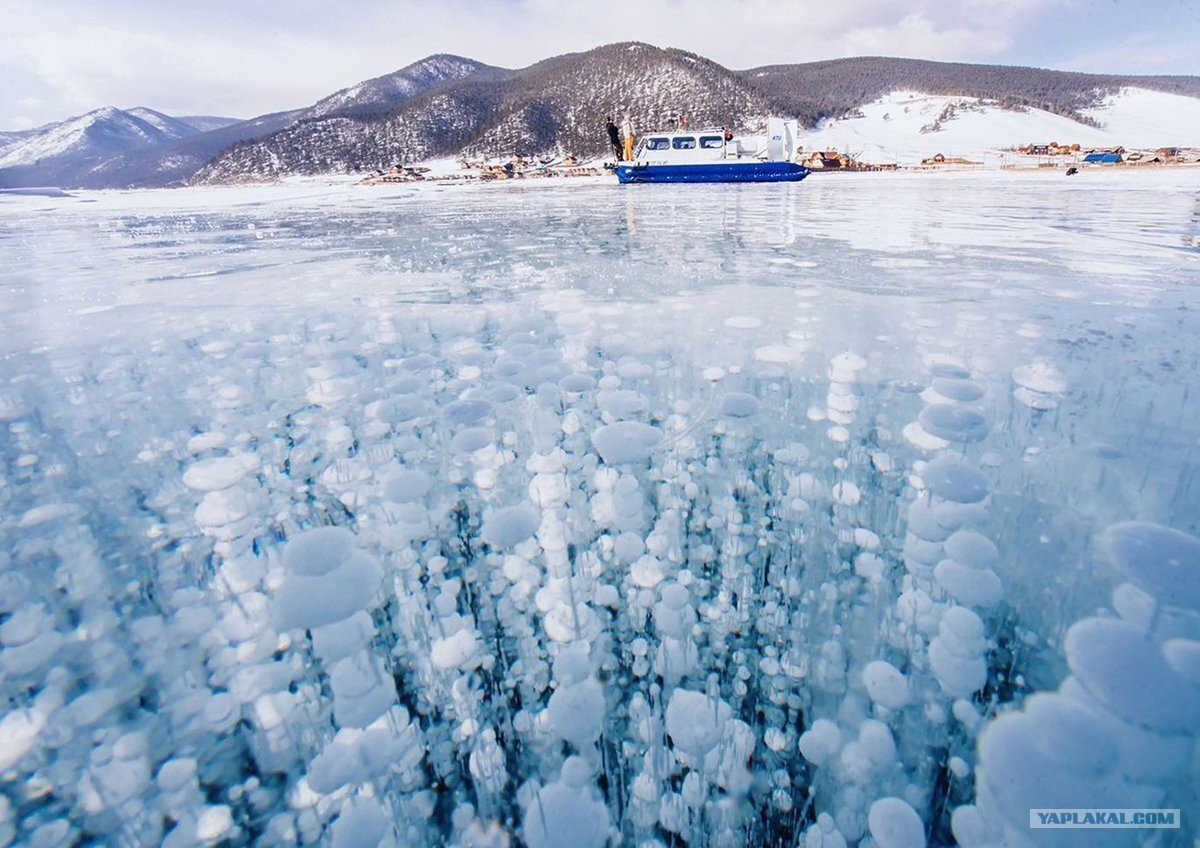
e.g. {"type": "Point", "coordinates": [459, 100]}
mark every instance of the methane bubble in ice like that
{"type": "Point", "coordinates": [1122, 668]}
{"type": "Point", "coordinates": [743, 322]}
{"type": "Point", "coordinates": [625, 441]}
{"type": "Point", "coordinates": [953, 422]}
{"type": "Point", "coordinates": [957, 389]}
{"type": "Point", "coordinates": [695, 721]}
{"type": "Point", "coordinates": [562, 814]}
{"type": "Point", "coordinates": [885, 684]}
{"type": "Point", "coordinates": [739, 405]}
{"type": "Point", "coordinates": [1162, 561]}
{"type": "Point", "coordinates": [895, 824]}
{"type": "Point", "coordinates": [777, 353]}
{"type": "Point", "coordinates": [407, 486]}
{"type": "Point", "coordinates": [954, 480]}
{"type": "Point", "coordinates": [510, 525]}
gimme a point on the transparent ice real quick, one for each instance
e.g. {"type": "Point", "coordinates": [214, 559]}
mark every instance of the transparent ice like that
{"type": "Point", "coordinates": [854, 512]}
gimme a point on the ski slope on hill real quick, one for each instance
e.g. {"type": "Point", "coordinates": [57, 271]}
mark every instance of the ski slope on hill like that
{"type": "Point", "coordinates": [906, 127]}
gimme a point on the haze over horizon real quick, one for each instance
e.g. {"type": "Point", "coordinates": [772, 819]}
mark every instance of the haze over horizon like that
{"type": "Point", "coordinates": [65, 57]}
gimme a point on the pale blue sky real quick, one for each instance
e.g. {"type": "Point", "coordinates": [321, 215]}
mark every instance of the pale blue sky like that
{"type": "Point", "coordinates": [246, 57]}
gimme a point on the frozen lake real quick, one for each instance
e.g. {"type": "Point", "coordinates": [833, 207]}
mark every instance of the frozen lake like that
{"type": "Point", "coordinates": [853, 511]}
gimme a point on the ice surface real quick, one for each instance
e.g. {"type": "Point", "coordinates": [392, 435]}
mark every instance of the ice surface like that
{"type": "Point", "coordinates": [579, 515]}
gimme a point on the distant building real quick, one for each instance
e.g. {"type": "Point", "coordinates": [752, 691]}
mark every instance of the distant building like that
{"type": "Point", "coordinates": [827, 160]}
{"type": "Point", "coordinates": [1102, 158]}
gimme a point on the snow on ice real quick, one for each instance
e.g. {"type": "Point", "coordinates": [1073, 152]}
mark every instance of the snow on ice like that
{"type": "Point", "coordinates": [584, 516]}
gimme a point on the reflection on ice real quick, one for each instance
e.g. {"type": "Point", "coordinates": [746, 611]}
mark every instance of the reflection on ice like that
{"type": "Point", "coordinates": [727, 515]}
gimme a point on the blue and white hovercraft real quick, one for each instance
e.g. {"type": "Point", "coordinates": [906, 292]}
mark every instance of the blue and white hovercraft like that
{"type": "Point", "coordinates": [715, 156]}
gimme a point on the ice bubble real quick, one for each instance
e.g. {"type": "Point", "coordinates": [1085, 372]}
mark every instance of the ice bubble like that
{"type": "Point", "coordinates": [743, 322]}
{"type": "Point", "coordinates": [510, 525]}
{"type": "Point", "coordinates": [222, 507]}
{"type": "Point", "coordinates": [214, 823]}
{"type": "Point", "coordinates": [472, 439]}
{"type": "Point", "coordinates": [504, 392]}
{"type": "Point", "coordinates": [14, 590]}
{"type": "Point", "coordinates": [1134, 605]}
{"type": "Point", "coordinates": [1183, 656]}
{"type": "Point", "coordinates": [467, 411]}
{"type": "Point", "coordinates": [949, 370]}
{"type": "Point", "coordinates": [821, 741]}
{"type": "Point", "coordinates": [739, 405]}
{"type": "Point", "coordinates": [953, 422]}
{"type": "Point", "coordinates": [318, 551]}
{"type": "Point", "coordinates": [628, 547]}
{"type": "Point", "coordinates": [869, 566]}
{"type": "Point", "coordinates": [895, 824]}
{"type": "Point", "coordinates": [406, 486]}
{"type": "Point", "coordinates": [206, 441]}
{"type": "Point", "coordinates": [916, 435]}
{"type": "Point", "coordinates": [577, 712]}
{"type": "Point", "coordinates": [964, 628]}
{"type": "Point", "coordinates": [1123, 669]}
{"type": "Point", "coordinates": [456, 650]}
{"type": "Point", "coordinates": [971, 548]}
{"type": "Point", "coordinates": [362, 691]}
{"type": "Point", "coordinates": [360, 823]}
{"type": "Point", "coordinates": [1034, 400]}
{"type": "Point", "coordinates": [211, 475]}
{"type": "Point", "coordinates": [576, 772]}
{"type": "Point", "coordinates": [1070, 734]}
{"type": "Point", "coordinates": [876, 742]}
{"type": "Point", "coordinates": [647, 572]}
{"type": "Point", "coordinates": [695, 721]}
{"type": "Point", "coordinates": [954, 480]}
{"type": "Point", "coordinates": [397, 410]}
{"type": "Point", "coordinates": [846, 493]}
{"type": "Point", "coordinates": [956, 653]}
{"type": "Point", "coordinates": [924, 523]}
{"type": "Point", "coordinates": [969, 828]}
{"type": "Point", "coordinates": [24, 625]}
{"type": "Point", "coordinates": [777, 354]}
{"type": "Point", "coordinates": [973, 587]}
{"type": "Point", "coordinates": [419, 362]}
{"type": "Point", "coordinates": [957, 389]}
{"type": "Point", "coordinates": [19, 730]}
{"type": "Point", "coordinates": [885, 684]}
{"type": "Point", "coordinates": [1163, 561]}
{"type": "Point", "coordinates": [1040, 377]}
{"type": "Point", "coordinates": [577, 383]}
{"type": "Point", "coordinates": [623, 403]}
{"type": "Point", "coordinates": [572, 665]}
{"type": "Point", "coordinates": [625, 441]}
{"type": "Point", "coordinates": [307, 602]}
{"type": "Point", "coordinates": [565, 815]}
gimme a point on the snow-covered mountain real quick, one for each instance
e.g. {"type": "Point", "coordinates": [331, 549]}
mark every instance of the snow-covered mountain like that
{"type": "Point", "coordinates": [208, 123]}
{"type": "Point", "coordinates": [161, 150]}
{"type": "Point", "coordinates": [102, 132]}
{"type": "Point", "coordinates": [556, 105]}
{"type": "Point", "coordinates": [906, 127]}
{"type": "Point", "coordinates": [391, 89]}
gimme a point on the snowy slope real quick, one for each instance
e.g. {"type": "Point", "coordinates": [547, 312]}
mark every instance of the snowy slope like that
{"type": "Point", "coordinates": [171, 128]}
{"type": "Point", "coordinates": [1138, 117]}
{"type": "Point", "coordinates": [208, 123]}
{"type": "Point", "coordinates": [906, 127]}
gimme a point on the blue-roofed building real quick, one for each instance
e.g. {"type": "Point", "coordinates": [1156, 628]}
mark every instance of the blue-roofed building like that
{"type": "Point", "coordinates": [1101, 158]}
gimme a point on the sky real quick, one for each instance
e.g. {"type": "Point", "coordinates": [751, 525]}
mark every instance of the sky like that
{"type": "Point", "coordinates": [242, 58]}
